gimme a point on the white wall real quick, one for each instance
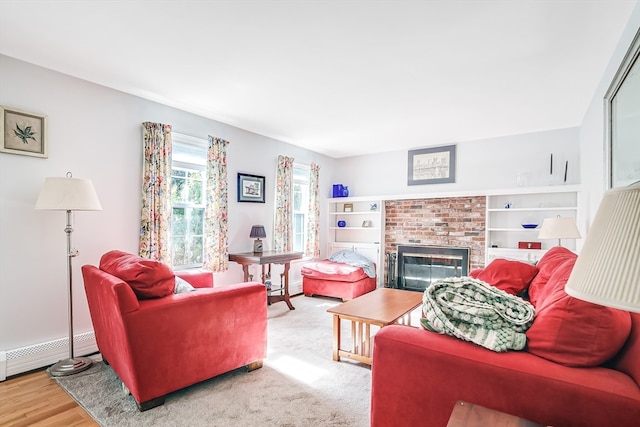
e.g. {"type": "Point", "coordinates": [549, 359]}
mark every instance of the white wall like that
{"type": "Point", "coordinates": [95, 132]}
{"type": "Point", "coordinates": [480, 165]}
{"type": "Point", "coordinates": [592, 131]}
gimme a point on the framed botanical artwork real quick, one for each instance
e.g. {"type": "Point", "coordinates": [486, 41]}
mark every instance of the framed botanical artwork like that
{"type": "Point", "coordinates": [436, 165]}
{"type": "Point", "coordinates": [23, 133]}
{"type": "Point", "coordinates": [250, 188]}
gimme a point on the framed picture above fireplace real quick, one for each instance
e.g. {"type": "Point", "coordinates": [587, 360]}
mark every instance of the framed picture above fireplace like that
{"type": "Point", "coordinates": [435, 165]}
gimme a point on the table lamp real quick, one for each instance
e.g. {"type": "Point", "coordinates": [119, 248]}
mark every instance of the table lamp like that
{"type": "Point", "coordinates": [559, 228]}
{"type": "Point", "coordinates": [607, 272]}
{"type": "Point", "coordinates": [257, 231]}
{"type": "Point", "coordinates": [69, 194]}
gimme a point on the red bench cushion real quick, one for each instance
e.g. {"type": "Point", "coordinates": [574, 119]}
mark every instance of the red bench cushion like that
{"type": "Point", "coordinates": [335, 271]}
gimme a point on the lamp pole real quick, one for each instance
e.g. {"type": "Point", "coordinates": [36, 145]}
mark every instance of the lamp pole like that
{"type": "Point", "coordinates": [72, 365]}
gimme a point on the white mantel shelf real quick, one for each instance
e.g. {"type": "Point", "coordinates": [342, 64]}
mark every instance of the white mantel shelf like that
{"type": "Point", "coordinates": [466, 193]}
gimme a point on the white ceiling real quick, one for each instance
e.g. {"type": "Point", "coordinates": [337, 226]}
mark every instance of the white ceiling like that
{"type": "Point", "coordinates": [340, 78]}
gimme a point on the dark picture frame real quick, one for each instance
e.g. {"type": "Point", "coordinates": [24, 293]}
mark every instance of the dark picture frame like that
{"type": "Point", "coordinates": [250, 188]}
{"type": "Point", "coordinates": [23, 133]}
{"type": "Point", "coordinates": [435, 165]}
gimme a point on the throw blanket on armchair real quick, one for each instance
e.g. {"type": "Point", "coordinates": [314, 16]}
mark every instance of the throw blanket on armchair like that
{"type": "Point", "coordinates": [475, 311]}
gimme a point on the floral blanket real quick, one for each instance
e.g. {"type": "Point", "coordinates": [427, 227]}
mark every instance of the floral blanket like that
{"type": "Point", "coordinates": [475, 311]}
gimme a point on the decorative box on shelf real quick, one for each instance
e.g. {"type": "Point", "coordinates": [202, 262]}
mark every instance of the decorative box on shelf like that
{"type": "Point", "coordinates": [529, 245]}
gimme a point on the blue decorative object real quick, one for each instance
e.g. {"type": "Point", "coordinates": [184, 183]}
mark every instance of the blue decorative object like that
{"type": "Point", "coordinates": [342, 223]}
{"type": "Point", "coordinates": [530, 225]}
{"type": "Point", "coordinates": [338, 190]}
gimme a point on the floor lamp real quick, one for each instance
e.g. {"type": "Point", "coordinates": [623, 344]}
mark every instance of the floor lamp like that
{"type": "Point", "coordinates": [69, 194]}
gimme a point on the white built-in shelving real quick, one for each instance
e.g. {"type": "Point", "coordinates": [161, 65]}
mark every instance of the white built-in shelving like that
{"type": "Point", "coordinates": [363, 231]}
{"type": "Point", "coordinates": [508, 211]}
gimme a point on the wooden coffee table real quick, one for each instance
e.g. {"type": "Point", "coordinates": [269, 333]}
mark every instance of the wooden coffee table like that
{"type": "Point", "coordinates": [381, 307]}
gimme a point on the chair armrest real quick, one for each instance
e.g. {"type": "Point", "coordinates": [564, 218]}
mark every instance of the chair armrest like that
{"type": "Point", "coordinates": [198, 278]}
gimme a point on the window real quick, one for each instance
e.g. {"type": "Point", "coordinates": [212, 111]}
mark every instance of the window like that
{"type": "Point", "coordinates": [188, 184]}
{"type": "Point", "coordinates": [300, 206]}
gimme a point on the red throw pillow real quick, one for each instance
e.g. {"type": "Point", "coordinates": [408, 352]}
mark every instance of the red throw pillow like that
{"type": "Point", "coordinates": [147, 278]}
{"type": "Point", "coordinates": [549, 262]}
{"type": "Point", "coordinates": [511, 276]}
{"type": "Point", "coordinates": [573, 332]}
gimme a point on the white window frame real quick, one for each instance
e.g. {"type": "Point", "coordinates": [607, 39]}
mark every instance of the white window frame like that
{"type": "Point", "coordinates": [197, 144]}
{"type": "Point", "coordinates": [305, 203]}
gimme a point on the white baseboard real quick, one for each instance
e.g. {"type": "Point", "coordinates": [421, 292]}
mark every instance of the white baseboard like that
{"type": "Point", "coordinates": [3, 365]}
{"type": "Point", "coordinates": [19, 360]}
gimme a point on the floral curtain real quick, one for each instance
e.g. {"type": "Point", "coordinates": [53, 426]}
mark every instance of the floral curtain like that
{"type": "Point", "coordinates": [155, 221]}
{"type": "Point", "coordinates": [313, 220]}
{"type": "Point", "coordinates": [216, 243]}
{"type": "Point", "coordinates": [283, 223]}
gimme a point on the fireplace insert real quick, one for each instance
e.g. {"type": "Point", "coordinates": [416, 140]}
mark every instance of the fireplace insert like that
{"type": "Point", "coordinates": [420, 266]}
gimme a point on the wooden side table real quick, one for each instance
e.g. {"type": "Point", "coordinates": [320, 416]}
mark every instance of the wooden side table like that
{"type": "Point", "coordinates": [470, 415]}
{"type": "Point", "coordinates": [266, 258]}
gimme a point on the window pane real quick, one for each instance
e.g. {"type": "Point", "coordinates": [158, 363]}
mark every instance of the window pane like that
{"type": "Point", "coordinates": [195, 250]}
{"type": "Point", "coordinates": [195, 192]}
{"type": "Point", "coordinates": [178, 222]}
{"type": "Point", "coordinates": [297, 198]}
{"type": "Point", "coordinates": [178, 250]}
{"type": "Point", "coordinates": [298, 232]}
{"type": "Point", "coordinates": [177, 189]}
{"type": "Point", "coordinates": [196, 225]}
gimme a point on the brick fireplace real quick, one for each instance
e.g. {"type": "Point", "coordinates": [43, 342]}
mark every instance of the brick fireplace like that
{"type": "Point", "coordinates": [449, 221]}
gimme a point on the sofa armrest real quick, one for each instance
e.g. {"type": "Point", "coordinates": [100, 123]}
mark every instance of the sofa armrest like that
{"type": "Point", "coordinates": [226, 326]}
{"type": "Point", "coordinates": [417, 377]}
{"type": "Point", "coordinates": [198, 278]}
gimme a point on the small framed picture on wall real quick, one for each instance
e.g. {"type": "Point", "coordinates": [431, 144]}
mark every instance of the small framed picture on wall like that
{"type": "Point", "coordinates": [250, 188]}
{"type": "Point", "coordinates": [23, 133]}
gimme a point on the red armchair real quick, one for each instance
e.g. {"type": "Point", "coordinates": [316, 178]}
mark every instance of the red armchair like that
{"type": "Point", "coordinates": [157, 345]}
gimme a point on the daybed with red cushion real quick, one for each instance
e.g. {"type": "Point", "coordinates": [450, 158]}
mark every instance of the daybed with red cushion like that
{"type": "Point", "coordinates": [581, 366]}
{"type": "Point", "coordinates": [158, 341]}
{"type": "Point", "coordinates": [335, 279]}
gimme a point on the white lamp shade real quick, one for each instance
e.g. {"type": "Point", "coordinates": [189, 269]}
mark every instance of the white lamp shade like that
{"type": "Point", "coordinates": [68, 194]}
{"type": "Point", "coordinates": [559, 228]}
{"type": "Point", "coordinates": [607, 272]}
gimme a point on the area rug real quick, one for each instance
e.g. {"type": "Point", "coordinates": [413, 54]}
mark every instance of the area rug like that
{"type": "Point", "coordinates": [299, 384]}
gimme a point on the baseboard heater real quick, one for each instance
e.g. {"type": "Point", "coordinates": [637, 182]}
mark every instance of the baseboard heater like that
{"type": "Point", "coordinates": [19, 360]}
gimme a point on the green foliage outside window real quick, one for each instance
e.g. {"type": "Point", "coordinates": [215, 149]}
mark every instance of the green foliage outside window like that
{"type": "Point", "coordinates": [187, 223]}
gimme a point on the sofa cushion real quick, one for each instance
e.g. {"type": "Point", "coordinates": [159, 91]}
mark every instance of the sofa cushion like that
{"type": "Point", "coordinates": [147, 278]}
{"type": "Point", "coordinates": [511, 276]}
{"type": "Point", "coordinates": [334, 271]}
{"type": "Point", "coordinates": [549, 262]}
{"type": "Point", "coordinates": [573, 332]}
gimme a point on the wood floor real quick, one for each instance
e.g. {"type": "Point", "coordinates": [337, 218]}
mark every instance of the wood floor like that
{"type": "Point", "coordinates": [34, 399]}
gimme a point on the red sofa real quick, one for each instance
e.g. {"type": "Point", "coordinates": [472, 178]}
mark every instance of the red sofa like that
{"type": "Point", "coordinates": [581, 366]}
{"type": "Point", "coordinates": [335, 279]}
{"type": "Point", "coordinates": [158, 342]}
